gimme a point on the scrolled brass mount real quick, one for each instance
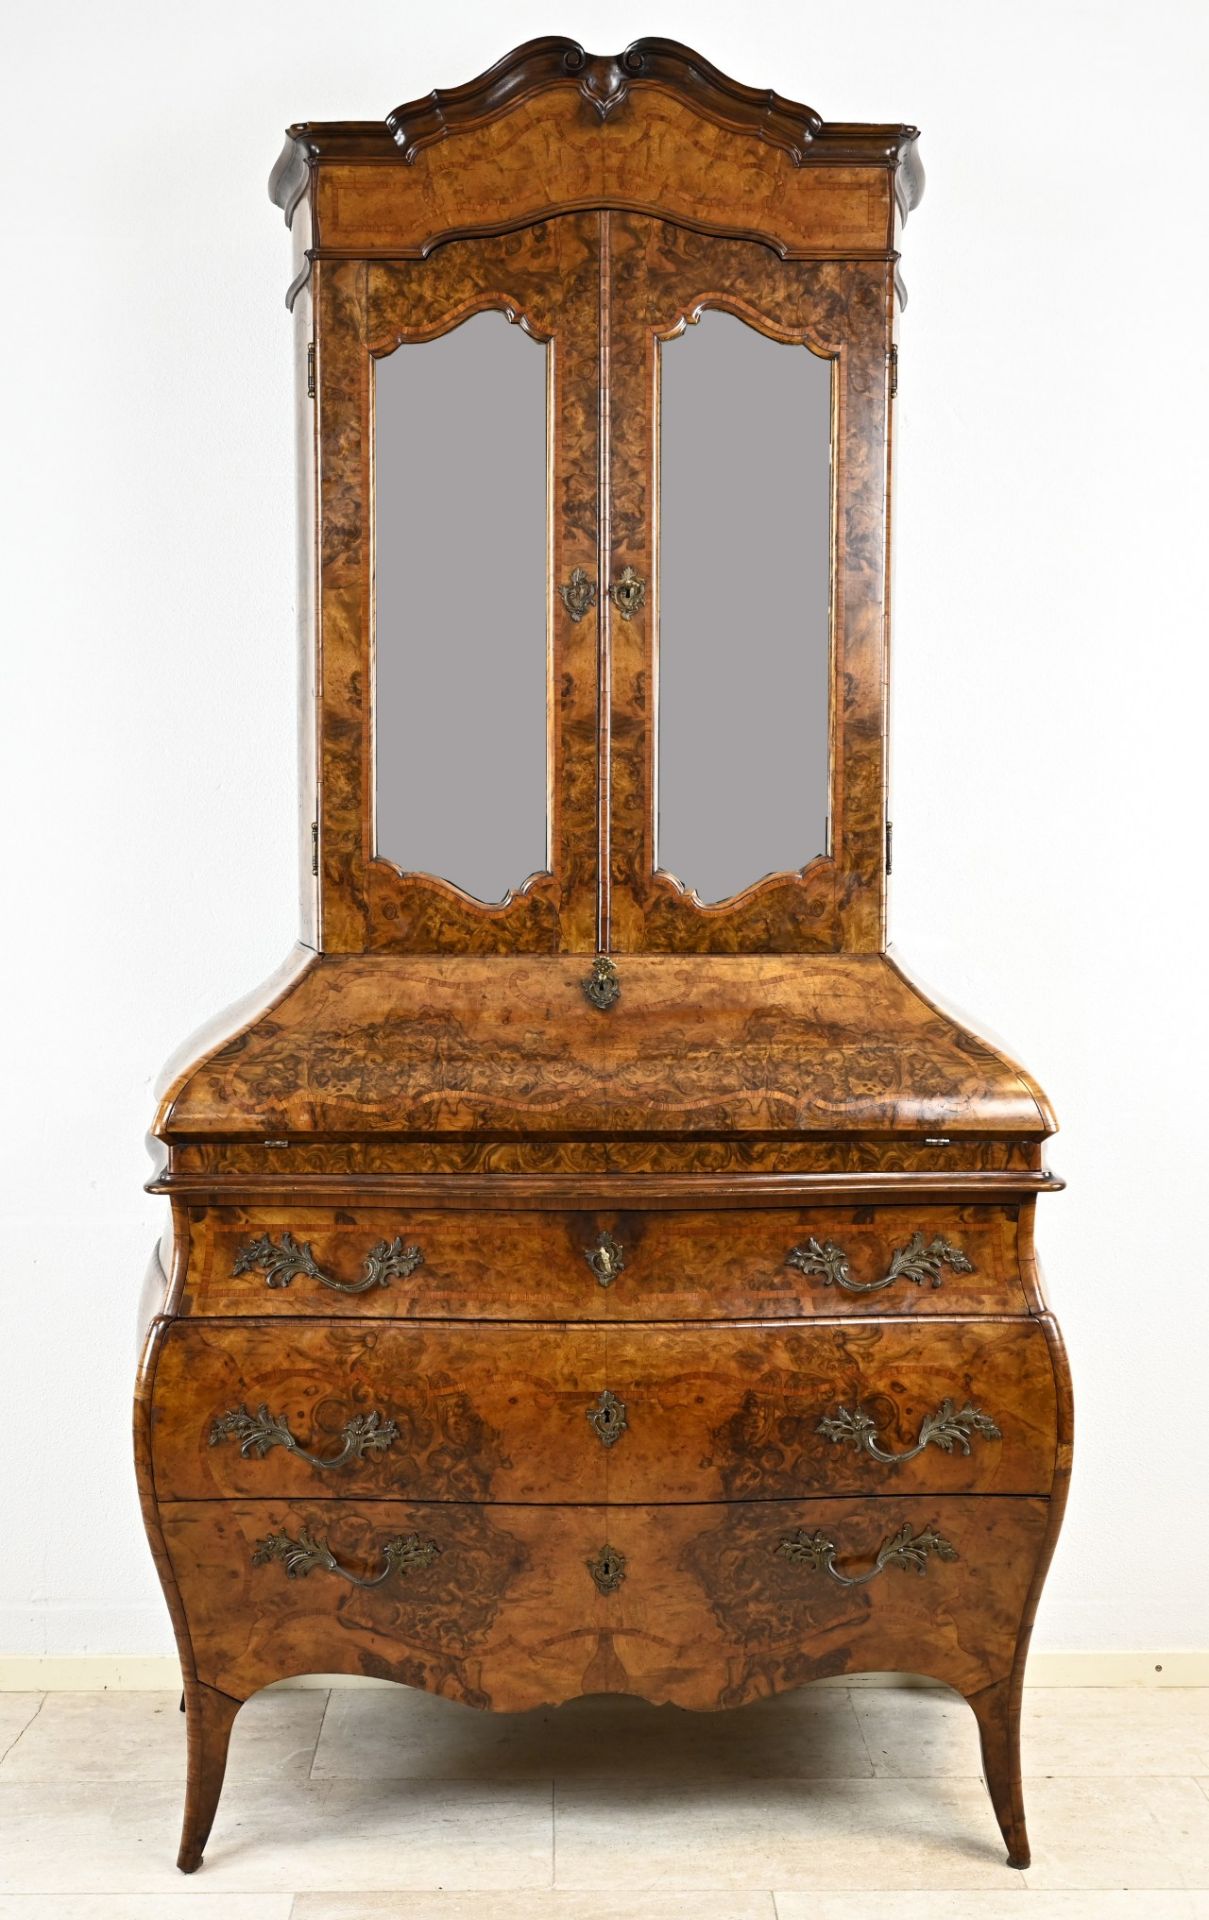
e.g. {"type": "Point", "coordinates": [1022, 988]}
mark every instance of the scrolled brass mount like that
{"type": "Point", "coordinates": [628, 593]}
{"type": "Point", "coordinates": [607, 1569]}
{"type": "Point", "coordinates": [815, 1553]}
{"type": "Point", "coordinates": [602, 986]}
{"type": "Point", "coordinates": [578, 594]}
{"type": "Point", "coordinates": [918, 1261]}
{"type": "Point", "coordinates": [282, 1262]}
{"type": "Point", "coordinates": [405, 1554]}
{"type": "Point", "coordinates": [608, 1418]}
{"type": "Point", "coordinates": [947, 1428]}
{"type": "Point", "coordinates": [606, 1257]}
{"type": "Point", "coordinates": [258, 1433]}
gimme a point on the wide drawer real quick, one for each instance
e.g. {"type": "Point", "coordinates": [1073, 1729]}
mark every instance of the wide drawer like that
{"type": "Point", "coordinates": [641, 1264]}
{"type": "Point", "coordinates": [595, 1413]}
{"type": "Point", "coordinates": [515, 1607]}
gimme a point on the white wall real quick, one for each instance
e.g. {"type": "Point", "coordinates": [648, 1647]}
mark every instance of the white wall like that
{"type": "Point", "coordinates": [1050, 651]}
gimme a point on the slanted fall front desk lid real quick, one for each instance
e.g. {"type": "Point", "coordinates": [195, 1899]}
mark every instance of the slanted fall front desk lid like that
{"type": "Point", "coordinates": [350, 1045]}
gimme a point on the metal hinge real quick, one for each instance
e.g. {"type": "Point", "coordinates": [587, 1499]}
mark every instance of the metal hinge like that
{"type": "Point", "coordinates": [889, 847]}
{"type": "Point", "coordinates": [310, 370]}
{"type": "Point", "coordinates": [893, 371]}
{"type": "Point", "coordinates": [314, 846]}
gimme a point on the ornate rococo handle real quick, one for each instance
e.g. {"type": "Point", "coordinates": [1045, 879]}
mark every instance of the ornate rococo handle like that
{"type": "Point", "coordinates": [405, 1554]}
{"type": "Point", "coordinates": [602, 986]}
{"type": "Point", "coordinates": [606, 1257]}
{"type": "Point", "coordinates": [628, 593]}
{"type": "Point", "coordinates": [918, 1261]}
{"type": "Point", "coordinates": [281, 1263]}
{"type": "Point", "coordinates": [258, 1433]}
{"type": "Point", "coordinates": [815, 1553]}
{"type": "Point", "coordinates": [947, 1428]}
{"type": "Point", "coordinates": [578, 594]}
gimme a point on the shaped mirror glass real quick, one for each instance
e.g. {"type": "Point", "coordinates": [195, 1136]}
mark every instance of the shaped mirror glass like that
{"type": "Point", "coordinates": [744, 669]}
{"type": "Point", "coordinates": [460, 645]}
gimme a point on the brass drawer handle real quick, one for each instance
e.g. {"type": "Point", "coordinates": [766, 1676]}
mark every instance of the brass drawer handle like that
{"type": "Point", "coordinates": [258, 1433]}
{"type": "Point", "coordinates": [578, 594]}
{"type": "Point", "coordinates": [608, 1418]}
{"type": "Point", "coordinates": [628, 592]}
{"type": "Point", "coordinates": [282, 1263]}
{"type": "Point", "coordinates": [606, 1257]}
{"type": "Point", "coordinates": [405, 1554]}
{"type": "Point", "coordinates": [607, 1569]}
{"type": "Point", "coordinates": [815, 1553]}
{"type": "Point", "coordinates": [919, 1260]}
{"type": "Point", "coordinates": [947, 1428]}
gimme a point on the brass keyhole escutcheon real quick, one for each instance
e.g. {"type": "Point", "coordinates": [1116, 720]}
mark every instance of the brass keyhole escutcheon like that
{"type": "Point", "coordinates": [628, 593]}
{"type": "Point", "coordinates": [602, 986]}
{"type": "Point", "coordinates": [578, 594]}
{"type": "Point", "coordinates": [608, 1418]}
{"type": "Point", "coordinates": [606, 1257]}
{"type": "Point", "coordinates": [607, 1569]}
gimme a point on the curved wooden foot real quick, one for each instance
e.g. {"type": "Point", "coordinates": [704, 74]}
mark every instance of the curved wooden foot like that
{"type": "Point", "coordinates": [210, 1716]}
{"type": "Point", "coordinates": [997, 1710]}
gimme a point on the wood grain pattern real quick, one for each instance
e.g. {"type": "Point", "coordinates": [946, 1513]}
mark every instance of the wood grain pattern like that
{"type": "Point", "coordinates": [835, 1165]}
{"type": "Point", "coordinates": [708, 1615]}
{"type": "Point", "coordinates": [365, 1044]}
{"type": "Point", "coordinates": [491, 1413]}
{"type": "Point", "coordinates": [482, 1412]}
{"type": "Point", "coordinates": [686, 1264]}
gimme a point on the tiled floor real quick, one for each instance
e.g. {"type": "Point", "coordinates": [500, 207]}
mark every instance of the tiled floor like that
{"type": "Point", "coordinates": [389, 1805]}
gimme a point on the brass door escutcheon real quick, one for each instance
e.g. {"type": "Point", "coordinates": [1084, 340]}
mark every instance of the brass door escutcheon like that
{"type": "Point", "coordinates": [578, 594]}
{"type": "Point", "coordinates": [608, 1418]}
{"type": "Point", "coordinates": [606, 1257]}
{"type": "Point", "coordinates": [259, 1432]}
{"type": "Point", "coordinates": [628, 593]}
{"type": "Point", "coordinates": [282, 1263]}
{"type": "Point", "coordinates": [602, 986]}
{"type": "Point", "coordinates": [405, 1554]}
{"type": "Point", "coordinates": [607, 1568]}
{"type": "Point", "coordinates": [947, 1428]}
{"type": "Point", "coordinates": [917, 1261]}
{"type": "Point", "coordinates": [815, 1553]}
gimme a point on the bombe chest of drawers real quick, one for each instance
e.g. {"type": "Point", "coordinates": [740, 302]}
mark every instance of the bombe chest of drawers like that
{"type": "Point", "coordinates": [594, 1266]}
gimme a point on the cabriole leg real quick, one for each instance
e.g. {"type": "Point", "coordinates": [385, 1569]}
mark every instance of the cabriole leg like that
{"type": "Point", "coordinates": [209, 1720]}
{"type": "Point", "coordinates": [997, 1710]}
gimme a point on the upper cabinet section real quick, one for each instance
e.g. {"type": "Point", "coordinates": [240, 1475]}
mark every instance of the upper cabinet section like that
{"type": "Point", "coordinates": [600, 351]}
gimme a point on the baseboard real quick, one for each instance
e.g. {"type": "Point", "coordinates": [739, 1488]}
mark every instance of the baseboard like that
{"type": "Point", "coordinates": [142, 1673]}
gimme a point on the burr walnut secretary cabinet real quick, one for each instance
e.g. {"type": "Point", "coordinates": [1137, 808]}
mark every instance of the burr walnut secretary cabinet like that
{"type": "Point", "coordinates": [594, 1266]}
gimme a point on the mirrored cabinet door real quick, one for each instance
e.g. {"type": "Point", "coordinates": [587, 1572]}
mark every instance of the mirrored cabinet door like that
{"type": "Point", "coordinates": [726, 392]}
{"type": "Point", "coordinates": [460, 761]}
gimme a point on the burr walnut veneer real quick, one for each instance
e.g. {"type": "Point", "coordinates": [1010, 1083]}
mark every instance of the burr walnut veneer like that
{"type": "Point", "coordinates": [620, 1285]}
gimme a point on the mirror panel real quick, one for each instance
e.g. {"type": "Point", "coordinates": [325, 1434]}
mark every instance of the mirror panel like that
{"type": "Point", "coordinates": [745, 543]}
{"type": "Point", "coordinates": [460, 567]}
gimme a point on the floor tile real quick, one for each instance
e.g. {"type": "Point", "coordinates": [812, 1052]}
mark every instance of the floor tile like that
{"type": "Point", "coordinates": [1022, 1905]}
{"type": "Point", "coordinates": [122, 1838]}
{"type": "Point", "coordinates": [797, 1834]}
{"type": "Point", "coordinates": [1140, 1832]}
{"type": "Point", "coordinates": [146, 1906]}
{"type": "Point", "coordinates": [401, 1734]}
{"type": "Point", "coordinates": [141, 1736]}
{"type": "Point", "coordinates": [534, 1906]}
{"type": "Point", "coordinates": [16, 1712]}
{"type": "Point", "coordinates": [1064, 1730]}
